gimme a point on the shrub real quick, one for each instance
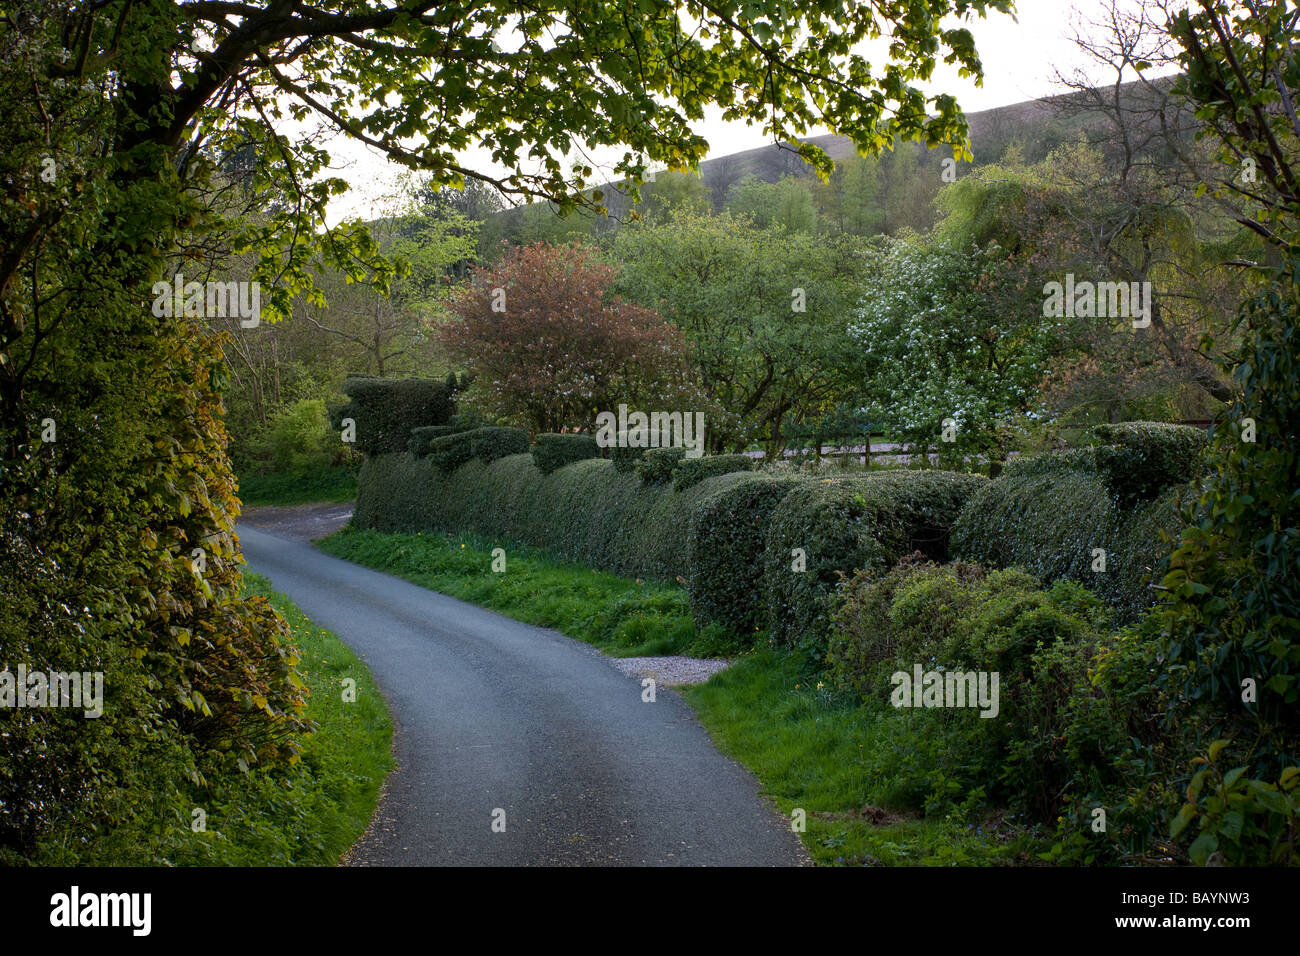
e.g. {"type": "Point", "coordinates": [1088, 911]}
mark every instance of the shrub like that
{"type": "Point", "coordinates": [1138, 460]}
{"type": "Point", "coordinates": [726, 537]}
{"type": "Point", "coordinates": [554, 451]}
{"type": "Point", "coordinates": [656, 466]}
{"type": "Point", "coordinates": [691, 471]}
{"type": "Point", "coordinates": [846, 524]}
{"type": "Point", "coordinates": [486, 444]}
{"type": "Point", "coordinates": [1049, 513]}
{"type": "Point", "coordinates": [422, 436]}
{"type": "Point", "coordinates": [962, 617]}
{"type": "Point", "coordinates": [299, 438]}
{"type": "Point", "coordinates": [385, 410]}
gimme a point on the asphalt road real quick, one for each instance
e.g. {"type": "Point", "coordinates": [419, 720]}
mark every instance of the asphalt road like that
{"type": "Point", "coordinates": [494, 715]}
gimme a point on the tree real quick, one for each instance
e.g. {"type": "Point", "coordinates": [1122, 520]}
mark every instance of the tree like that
{"type": "Point", "coordinates": [764, 311]}
{"type": "Point", "coordinates": [787, 204]}
{"type": "Point", "coordinates": [953, 346]}
{"type": "Point", "coordinates": [549, 344]}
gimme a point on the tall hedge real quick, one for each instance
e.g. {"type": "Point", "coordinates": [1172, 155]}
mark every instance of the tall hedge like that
{"type": "Point", "coordinates": [727, 536]}
{"type": "Point", "coordinates": [841, 525]}
{"type": "Point", "coordinates": [449, 452]}
{"type": "Point", "coordinates": [385, 410]}
{"type": "Point", "coordinates": [1049, 515]}
{"type": "Point", "coordinates": [554, 451]}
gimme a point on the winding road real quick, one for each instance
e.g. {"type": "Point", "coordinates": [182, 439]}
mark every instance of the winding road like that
{"type": "Point", "coordinates": [493, 715]}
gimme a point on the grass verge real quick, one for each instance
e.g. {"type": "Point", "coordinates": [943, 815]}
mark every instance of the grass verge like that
{"type": "Point", "coordinates": [620, 616]}
{"type": "Point", "coordinates": [825, 753]}
{"type": "Point", "coordinates": [327, 486]}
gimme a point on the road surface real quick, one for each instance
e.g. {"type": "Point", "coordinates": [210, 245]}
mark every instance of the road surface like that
{"type": "Point", "coordinates": [519, 746]}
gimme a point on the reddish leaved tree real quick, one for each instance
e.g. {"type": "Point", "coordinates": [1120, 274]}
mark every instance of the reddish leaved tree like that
{"type": "Point", "coordinates": [550, 345]}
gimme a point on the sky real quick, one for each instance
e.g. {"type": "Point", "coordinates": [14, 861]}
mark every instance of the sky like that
{"type": "Point", "coordinates": [1020, 57]}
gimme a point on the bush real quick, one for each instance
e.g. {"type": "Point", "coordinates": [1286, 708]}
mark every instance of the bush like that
{"type": "Point", "coordinates": [1138, 460]}
{"type": "Point", "coordinates": [486, 444]}
{"type": "Point", "coordinates": [554, 451]}
{"type": "Point", "coordinates": [385, 410]}
{"type": "Point", "coordinates": [1049, 513]}
{"type": "Point", "coordinates": [960, 617]}
{"type": "Point", "coordinates": [421, 437]}
{"type": "Point", "coordinates": [299, 439]}
{"type": "Point", "coordinates": [656, 466]}
{"type": "Point", "coordinates": [846, 524]}
{"type": "Point", "coordinates": [691, 471]}
{"type": "Point", "coordinates": [727, 535]}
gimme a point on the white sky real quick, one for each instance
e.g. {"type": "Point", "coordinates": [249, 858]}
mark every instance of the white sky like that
{"type": "Point", "coordinates": [1019, 58]}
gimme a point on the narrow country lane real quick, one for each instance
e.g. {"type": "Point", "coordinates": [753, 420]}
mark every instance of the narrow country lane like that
{"type": "Point", "coordinates": [495, 715]}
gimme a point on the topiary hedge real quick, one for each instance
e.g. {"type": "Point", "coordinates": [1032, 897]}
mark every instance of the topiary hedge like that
{"type": "Point", "coordinates": [691, 471]}
{"type": "Point", "coordinates": [486, 444]}
{"type": "Point", "coordinates": [1049, 514]}
{"type": "Point", "coordinates": [656, 465]}
{"type": "Point", "coordinates": [841, 525]}
{"type": "Point", "coordinates": [1138, 460]}
{"type": "Point", "coordinates": [727, 535]}
{"type": "Point", "coordinates": [422, 436]}
{"type": "Point", "coordinates": [554, 451]}
{"type": "Point", "coordinates": [385, 410]}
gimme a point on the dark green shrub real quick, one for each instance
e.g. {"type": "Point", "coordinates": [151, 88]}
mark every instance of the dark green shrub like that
{"type": "Point", "coordinates": [727, 536]}
{"type": "Point", "coordinates": [486, 444]}
{"type": "Point", "coordinates": [959, 617]}
{"type": "Point", "coordinates": [422, 436]}
{"type": "Point", "coordinates": [1138, 460]}
{"type": "Point", "coordinates": [385, 410]}
{"type": "Point", "coordinates": [554, 451]}
{"type": "Point", "coordinates": [691, 471]}
{"type": "Point", "coordinates": [656, 466]}
{"type": "Point", "coordinates": [1049, 514]}
{"type": "Point", "coordinates": [842, 525]}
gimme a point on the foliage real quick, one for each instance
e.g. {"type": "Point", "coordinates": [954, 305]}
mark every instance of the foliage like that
{"type": "Point", "coordinates": [727, 536]}
{"type": "Point", "coordinates": [691, 471]}
{"type": "Point", "coordinates": [422, 437]}
{"type": "Point", "coordinates": [335, 484]}
{"type": "Point", "coordinates": [1141, 459]}
{"type": "Point", "coordinates": [551, 345]}
{"type": "Point", "coordinates": [656, 465]}
{"type": "Point", "coordinates": [486, 444]}
{"type": "Point", "coordinates": [951, 336]}
{"type": "Point", "coordinates": [1050, 514]}
{"type": "Point", "coordinates": [841, 525]}
{"type": "Point", "coordinates": [555, 451]}
{"type": "Point", "coordinates": [385, 410]}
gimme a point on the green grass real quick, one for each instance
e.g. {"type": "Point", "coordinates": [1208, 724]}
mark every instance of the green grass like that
{"type": "Point", "coordinates": [818, 750]}
{"type": "Point", "coordinates": [327, 486]}
{"type": "Point", "coordinates": [307, 814]}
{"type": "Point", "coordinates": [620, 616]}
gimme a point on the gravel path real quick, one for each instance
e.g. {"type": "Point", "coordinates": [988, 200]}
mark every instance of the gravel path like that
{"type": "Point", "coordinates": [298, 522]}
{"type": "Point", "coordinates": [497, 717]}
{"type": "Point", "coordinates": [669, 671]}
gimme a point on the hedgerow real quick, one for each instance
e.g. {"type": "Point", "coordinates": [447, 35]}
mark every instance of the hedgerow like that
{"type": "Point", "coordinates": [825, 529]}
{"type": "Point", "coordinates": [691, 471]}
{"type": "Point", "coordinates": [727, 536]}
{"type": "Point", "coordinates": [385, 410]}
{"type": "Point", "coordinates": [656, 465]}
{"type": "Point", "coordinates": [554, 451]}
{"type": "Point", "coordinates": [486, 444]}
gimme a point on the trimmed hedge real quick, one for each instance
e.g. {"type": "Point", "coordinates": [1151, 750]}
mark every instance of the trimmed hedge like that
{"type": "Point", "coordinates": [1138, 460]}
{"type": "Point", "coordinates": [691, 471]}
{"type": "Point", "coordinates": [1047, 514]}
{"type": "Point", "coordinates": [385, 410]}
{"type": "Point", "coordinates": [554, 451]}
{"type": "Point", "coordinates": [847, 524]}
{"type": "Point", "coordinates": [486, 444]}
{"type": "Point", "coordinates": [422, 436]}
{"type": "Point", "coordinates": [656, 466]}
{"type": "Point", "coordinates": [727, 535]}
